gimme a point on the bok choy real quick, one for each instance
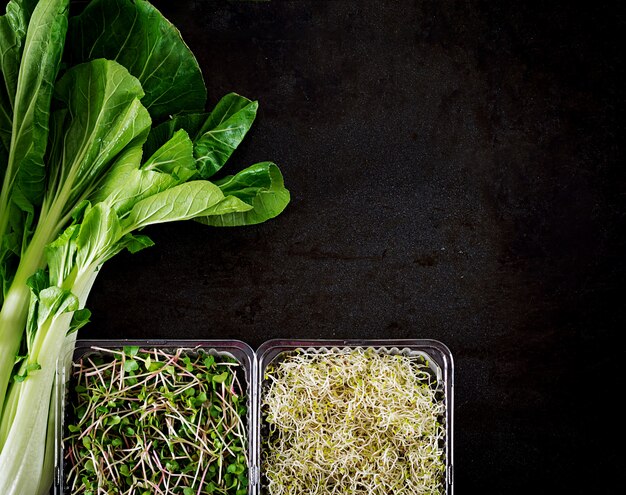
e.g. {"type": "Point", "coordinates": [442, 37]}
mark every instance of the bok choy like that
{"type": "Point", "coordinates": [103, 131]}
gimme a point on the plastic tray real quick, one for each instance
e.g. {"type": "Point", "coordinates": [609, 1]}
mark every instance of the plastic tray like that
{"type": "Point", "coordinates": [437, 354]}
{"type": "Point", "coordinates": [238, 350]}
{"type": "Point", "coordinates": [254, 365]}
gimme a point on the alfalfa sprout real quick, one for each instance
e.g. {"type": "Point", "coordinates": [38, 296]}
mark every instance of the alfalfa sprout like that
{"type": "Point", "coordinates": [352, 421]}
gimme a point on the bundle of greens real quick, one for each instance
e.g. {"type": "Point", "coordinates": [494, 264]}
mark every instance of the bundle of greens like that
{"type": "Point", "coordinates": [157, 422]}
{"type": "Point", "coordinates": [102, 132]}
{"type": "Point", "coordinates": [353, 421]}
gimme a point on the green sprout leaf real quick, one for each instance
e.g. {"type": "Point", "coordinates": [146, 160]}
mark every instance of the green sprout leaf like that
{"type": "Point", "coordinates": [221, 378]}
{"type": "Point", "coordinates": [131, 350]}
{"type": "Point", "coordinates": [130, 365]}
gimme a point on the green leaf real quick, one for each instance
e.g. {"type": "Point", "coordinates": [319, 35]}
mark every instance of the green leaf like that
{"type": "Point", "coordinates": [114, 420]}
{"type": "Point", "coordinates": [131, 350]}
{"type": "Point", "coordinates": [222, 132]}
{"type": "Point", "coordinates": [135, 243]}
{"type": "Point", "coordinates": [38, 69]}
{"type": "Point", "coordinates": [262, 187]}
{"type": "Point", "coordinates": [221, 378]}
{"type": "Point", "coordinates": [136, 34]}
{"type": "Point", "coordinates": [79, 319]}
{"type": "Point", "coordinates": [155, 365]}
{"type": "Point", "coordinates": [99, 233]}
{"type": "Point", "coordinates": [175, 157]}
{"type": "Point", "coordinates": [53, 301]}
{"type": "Point", "coordinates": [13, 27]}
{"type": "Point", "coordinates": [12, 34]}
{"type": "Point", "coordinates": [6, 125]}
{"type": "Point", "coordinates": [56, 136]}
{"type": "Point", "coordinates": [106, 116]}
{"type": "Point", "coordinates": [159, 135]}
{"type": "Point", "coordinates": [38, 281]}
{"type": "Point", "coordinates": [4, 154]}
{"type": "Point", "coordinates": [25, 368]}
{"type": "Point", "coordinates": [215, 135]}
{"type": "Point", "coordinates": [21, 215]}
{"type": "Point", "coordinates": [28, 76]}
{"type": "Point", "coordinates": [182, 202]}
{"type": "Point", "coordinates": [130, 365]}
{"type": "Point", "coordinates": [44, 305]}
{"type": "Point", "coordinates": [125, 183]}
{"type": "Point", "coordinates": [60, 255]}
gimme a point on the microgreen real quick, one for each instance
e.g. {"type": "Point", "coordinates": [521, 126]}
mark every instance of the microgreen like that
{"type": "Point", "coordinates": [353, 421]}
{"type": "Point", "coordinates": [166, 429]}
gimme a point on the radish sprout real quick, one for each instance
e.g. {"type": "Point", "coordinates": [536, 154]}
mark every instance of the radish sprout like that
{"type": "Point", "coordinates": [154, 422]}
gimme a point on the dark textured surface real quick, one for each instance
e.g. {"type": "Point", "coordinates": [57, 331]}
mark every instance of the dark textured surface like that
{"type": "Point", "coordinates": [456, 171]}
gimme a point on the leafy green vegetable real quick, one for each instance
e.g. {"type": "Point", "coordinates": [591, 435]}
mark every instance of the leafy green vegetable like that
{"type": "Point", "coordinates": [117, 140]}
{"type": "Point", "coordinates": [31, 110]}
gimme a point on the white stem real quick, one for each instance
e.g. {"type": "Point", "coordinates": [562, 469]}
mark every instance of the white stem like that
{"type": "Point", "coordinates": [47, 472]}
{"type": "Point", "coordinates": [21, 460]}
{"type": "Point", "coordinates": [23, 456]}
{"type": "Point", "coordinates": [15, 308]}
{"type": "Point", "coordinates": [12, 323]}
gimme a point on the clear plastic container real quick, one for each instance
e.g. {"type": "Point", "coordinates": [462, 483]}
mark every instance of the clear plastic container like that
{"type": "Point", "coordinates": [254, 365]}
{"type": "Point", "coordinates": [437, 355]}
{"type": "Point", "coordinates": [238, 350]}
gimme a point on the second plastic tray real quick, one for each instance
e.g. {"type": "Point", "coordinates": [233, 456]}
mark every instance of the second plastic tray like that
{"type": "Point", "coordinates": [436, 355]}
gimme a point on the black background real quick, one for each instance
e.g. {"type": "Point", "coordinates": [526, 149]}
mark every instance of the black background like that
{"type": "Point", "coordinates": [456, 173]}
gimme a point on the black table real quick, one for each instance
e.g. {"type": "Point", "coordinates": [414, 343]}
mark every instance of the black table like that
{"type": "Point", "coordinates": [456, 173]}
